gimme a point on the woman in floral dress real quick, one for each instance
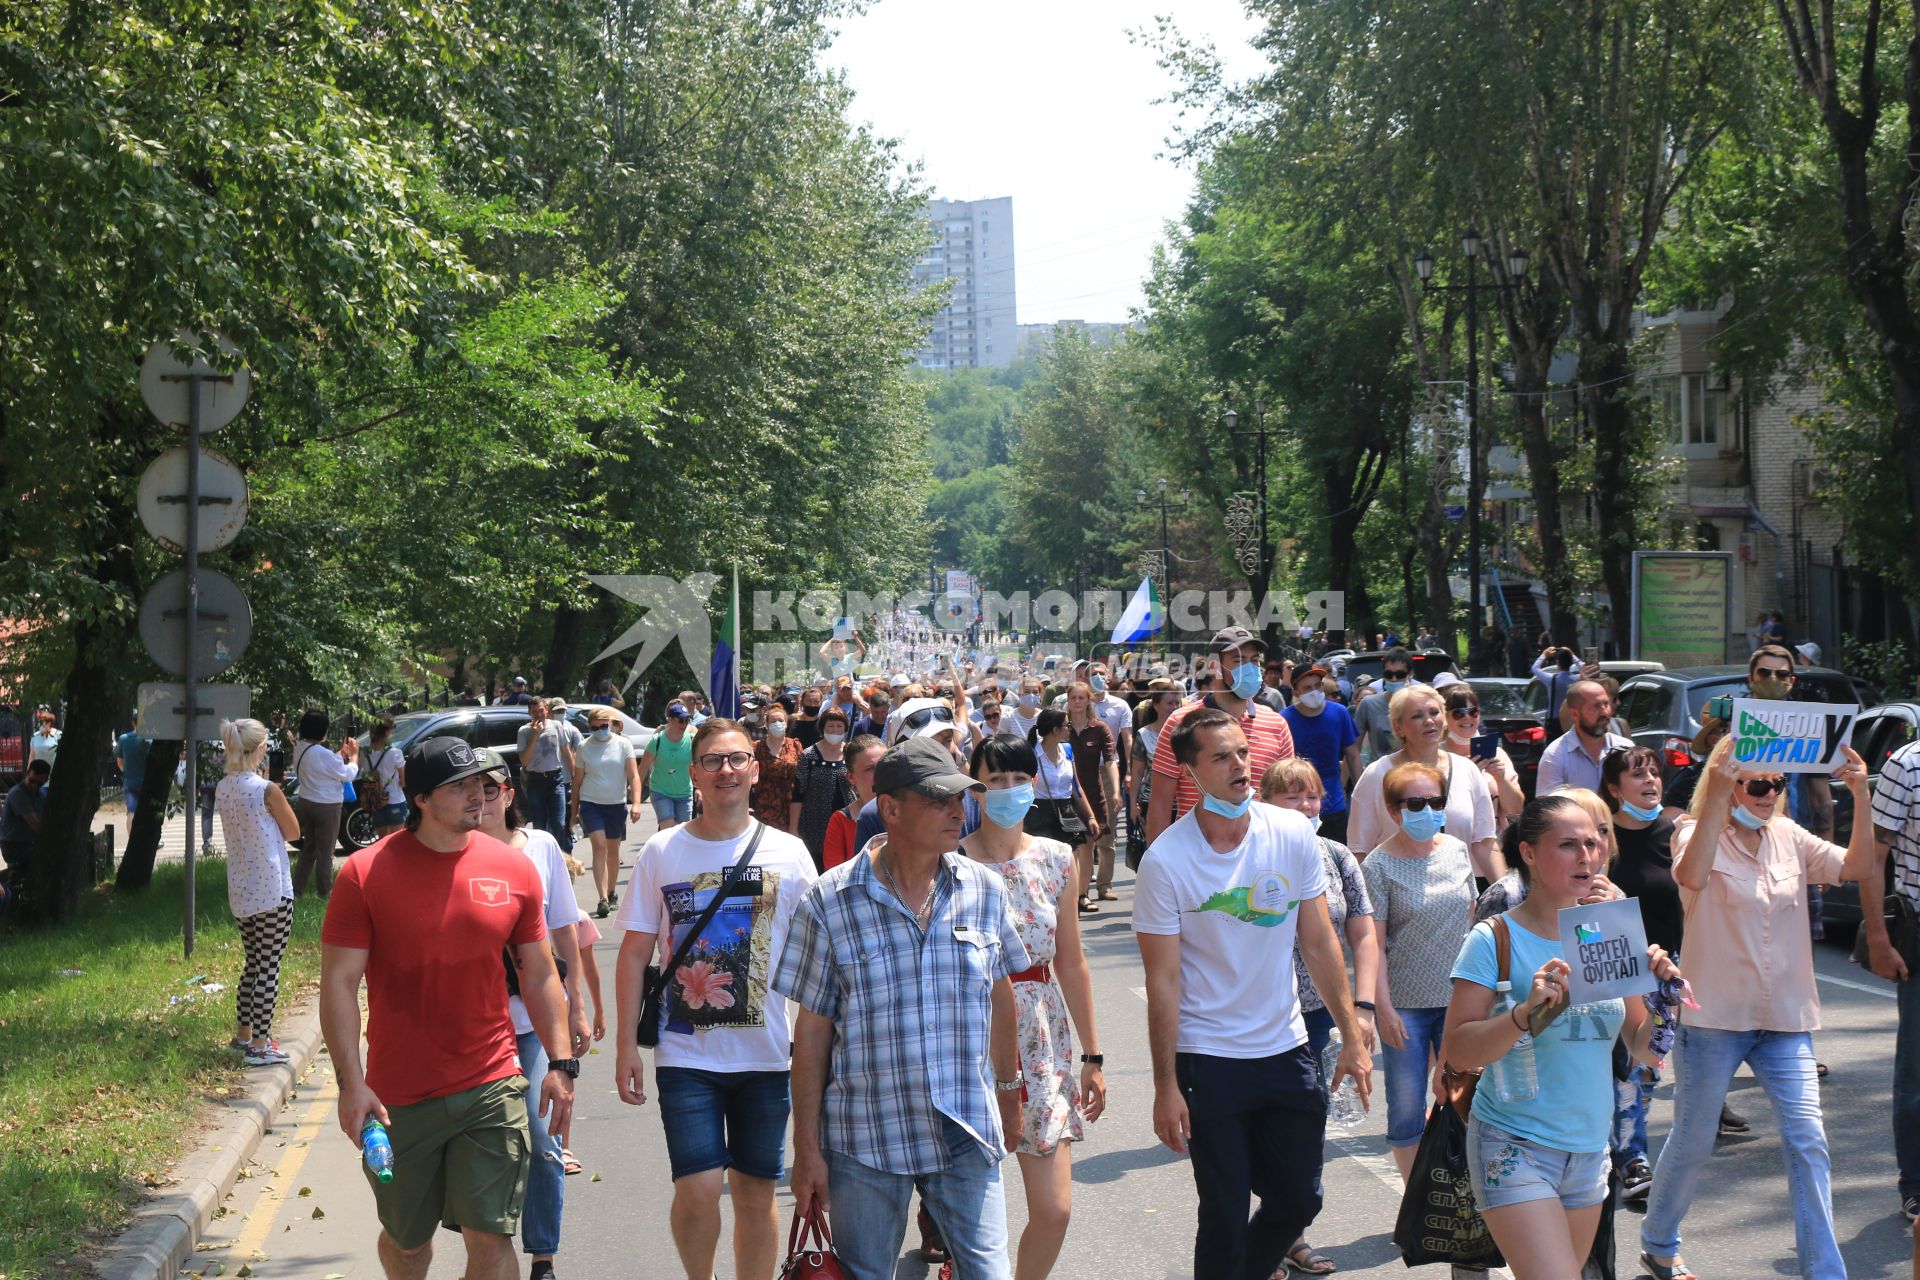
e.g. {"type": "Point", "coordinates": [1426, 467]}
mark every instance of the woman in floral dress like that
{"type": "Point", "coordinates": [779, 759]}
{"type": "Point", "coordinates": [1039, 875]}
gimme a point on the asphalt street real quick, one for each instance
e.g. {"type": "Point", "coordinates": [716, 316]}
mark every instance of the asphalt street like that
{"type": "Point", "coordinates": [304, 1210]}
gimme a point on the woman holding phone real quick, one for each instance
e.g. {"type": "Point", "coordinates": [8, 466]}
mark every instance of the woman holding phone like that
{"type": "Point", "coordinates": [1464, 738]}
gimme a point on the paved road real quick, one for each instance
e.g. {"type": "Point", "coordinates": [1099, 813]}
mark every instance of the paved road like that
{"type": "Point", "coordinates": [1134, 1208]}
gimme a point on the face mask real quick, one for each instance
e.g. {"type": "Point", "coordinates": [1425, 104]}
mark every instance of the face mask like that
{"type": "Point", "coordinates": [1098, 684]}
{"type": "Point", "coordinates": [603, 733]}
{"type": "Point", "coordinates": [1771, 690]}
{"type": "Point", "coordinates": [1393, 686]}
{"type": "Point", "coordinates": [1008, 806]}
{"type": "Point", "coordinates": [1748, 818]}
{"type": "Point", "coordinates": [1636, 812]}
{"type": "Point", "coordinates": [833, 737]}
{"type": "Point", "coordinates": [1312, 700]}
{"type": "Point", "coordinates": [1463, 739]}
{"type": "Point", "coordinates": [1029, 701]}
{"type": "Point", "coordinates": [778, 729]}
{"type": "Point", "coordinates": [1224, 808]}
{"type": "Point", "coordinates": [1246, 680]}
{"type": "Point", "coordinates": [1424, 825]}
{"type": "Point", "coordinates": [1315, 820]}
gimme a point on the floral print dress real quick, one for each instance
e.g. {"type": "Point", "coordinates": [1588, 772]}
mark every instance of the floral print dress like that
{"type": "Point", "coordinates": [1050, 1101]}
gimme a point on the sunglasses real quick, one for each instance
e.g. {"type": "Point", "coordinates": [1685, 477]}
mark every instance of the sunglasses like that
{"type": "Point", "coordinates": [1768, 673]}
{"type": "Point", "coordinates": [715, 761]}
{"type": "Point", "coordinates": [1759, 788]}
{"type": "Point", "coordinates": [926, 716]}
{"type": "Point", "coordinates": [1464, 713]}
{"type": "Point", "coordinates": [1395, 675]}
{"type": "Point", "coordinates": [1419, 804]}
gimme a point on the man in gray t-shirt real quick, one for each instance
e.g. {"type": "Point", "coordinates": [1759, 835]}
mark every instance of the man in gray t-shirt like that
{"type": "Point", "coordinates": [547, 764]}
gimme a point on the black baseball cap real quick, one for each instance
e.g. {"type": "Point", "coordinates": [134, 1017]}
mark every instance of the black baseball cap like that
{"type": "Point", "coordinates": [923, 765]}
{"type": "Point", "coordinates": [1232, 638]}
{"type": "Point", "coordinates": [438, 761]}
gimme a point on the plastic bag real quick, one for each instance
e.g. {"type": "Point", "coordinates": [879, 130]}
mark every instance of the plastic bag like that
{"type": "Point", "coordinates": [1438, 1221]}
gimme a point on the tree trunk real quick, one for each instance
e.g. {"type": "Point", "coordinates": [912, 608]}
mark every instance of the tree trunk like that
{"type": "Point", "coordinates": [63, 853]}
{"type": "Point", "coordinates": [1606, 369]}
{"type": "Point", "coordinates": [144, 832]}
{"type": "Point", "coordinates": [1543, 483]}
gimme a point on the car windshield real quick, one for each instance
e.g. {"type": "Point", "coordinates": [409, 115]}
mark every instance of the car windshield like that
{"type": "Point", "coordinates": [1500, 701]}
{"type": "Point", "coordinates": [408, 727]}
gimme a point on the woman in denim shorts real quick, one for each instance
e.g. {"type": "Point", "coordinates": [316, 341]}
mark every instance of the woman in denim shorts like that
{"type": "Point", "coordinates": [1538, 1157]}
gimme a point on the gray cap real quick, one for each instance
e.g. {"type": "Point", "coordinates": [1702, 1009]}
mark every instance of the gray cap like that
{"type": "Point", "coordinates": [1232, 638]}
{"type": "Point", "coordinates": [923, 765]}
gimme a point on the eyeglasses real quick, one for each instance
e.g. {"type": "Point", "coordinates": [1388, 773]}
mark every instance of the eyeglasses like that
{"type": "Point", "coordinates": [1464, 713]}
{"type": "Point", "coordinates": [1759, 788]}
{"type": "Point", "coordinates": [926, 716]}
{"type": "Point", "coordinates": [491, 790]}
{"type": "Point", "coordinates": [715, 761]}
{"type": "Point", "coordinates": [1401, 674]}
{"type": "Point", "coordinates": [1418, 804]}
{"type": "Point", "coordinates": [1770, 673]}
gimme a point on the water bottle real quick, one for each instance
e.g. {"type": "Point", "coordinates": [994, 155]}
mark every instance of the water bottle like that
{"type": "Point", "coordinates": [1515, 1075]}
{"type": "Point", "coordinates": [1343, 1104]}
{"type": "Point", "coordinates": [376, 1150]}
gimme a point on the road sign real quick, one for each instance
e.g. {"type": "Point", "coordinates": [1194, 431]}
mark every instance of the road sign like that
{"type": "Point", "coordinates": [161, 706]}
{"type": "Point", "coordinates": [163, 500]}
{"type": "Point", "coordinates": [224, 626]}
{"type": "Point", "coordinates": [167, 382]}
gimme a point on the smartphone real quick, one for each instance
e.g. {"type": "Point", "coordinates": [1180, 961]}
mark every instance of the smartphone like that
{"type": "Point", "coordinates": [1484, 745]}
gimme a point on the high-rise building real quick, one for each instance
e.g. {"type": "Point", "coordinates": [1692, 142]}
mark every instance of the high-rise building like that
{"type": "Point", "coordinates": [973, 250]}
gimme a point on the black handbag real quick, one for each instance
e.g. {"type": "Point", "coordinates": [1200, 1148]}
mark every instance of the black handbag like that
{"type": "Point", "coordinates": [654, 989]}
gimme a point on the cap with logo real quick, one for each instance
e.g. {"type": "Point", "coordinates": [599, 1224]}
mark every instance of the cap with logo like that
{"type": "Point", "coordinates": [923, 765]}
{"type": "Point", "coordinates": [1232, 638]}
{"type": "Point", "coordinates": [678, 711]}
{"type": "Point", "coordinates": [438, 761]}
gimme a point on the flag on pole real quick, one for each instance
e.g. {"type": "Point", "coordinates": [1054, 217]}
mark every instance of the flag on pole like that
{"type": "Point", "coordinates": [1143, 615]}
{"type": "Point", "coordinates": [723, 677]}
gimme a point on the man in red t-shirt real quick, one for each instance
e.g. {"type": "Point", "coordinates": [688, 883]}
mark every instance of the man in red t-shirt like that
{"type": "Point", "coordinates": [424, 915]}
{"type": "Point", "coordinates": [1238, 678]}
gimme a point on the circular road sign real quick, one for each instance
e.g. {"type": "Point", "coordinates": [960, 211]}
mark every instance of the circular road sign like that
{"type": "Point", "coordinates": [226, 623]}
{"type": "Point", "coordinates": [167, 383]}
{"type": "Point", "coordinates": [163, 500]}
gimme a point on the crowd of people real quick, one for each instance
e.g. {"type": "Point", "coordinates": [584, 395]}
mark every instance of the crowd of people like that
{"type": "Point", "coordinates": [857, 927]}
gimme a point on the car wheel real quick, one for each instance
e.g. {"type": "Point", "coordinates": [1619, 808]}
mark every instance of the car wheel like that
{"type": "Point", "coordinates": [357, 832]}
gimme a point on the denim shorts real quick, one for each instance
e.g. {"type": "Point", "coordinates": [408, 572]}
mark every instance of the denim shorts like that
{"type": "Point", "coordinates": [724, 1119]}
{"type": "Point", "coordinates": [608, 819]}
{"type": "Point", "coordinates": [1507, 1170]}
{"type": "Point", "coordinates": [672, 808]}
{"type": "Point", "coordinates": [391, 815]}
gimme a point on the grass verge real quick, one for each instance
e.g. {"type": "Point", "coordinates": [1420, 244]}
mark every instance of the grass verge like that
{"type": "Point", "coordinates": [101, 1076]}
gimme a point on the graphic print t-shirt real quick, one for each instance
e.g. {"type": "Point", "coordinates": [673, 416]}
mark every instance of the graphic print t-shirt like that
{"type": "Point", "coordinates": [1236, 915]}
{"type": "Point", "coordinates": [718, 1014]}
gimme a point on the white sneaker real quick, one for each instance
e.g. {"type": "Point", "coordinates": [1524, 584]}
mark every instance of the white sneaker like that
{"type": "Point", "coordinates": [266, 1056]}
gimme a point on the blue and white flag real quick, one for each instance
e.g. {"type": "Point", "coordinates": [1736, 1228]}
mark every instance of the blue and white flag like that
{"type": "Point", "coordinates": [1143, 615]}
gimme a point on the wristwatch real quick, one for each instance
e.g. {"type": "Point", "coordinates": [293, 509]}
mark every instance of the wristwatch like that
{"type": "Point", "coordinates": [571, 1066]}
{"type": "Point", "coordinates": [1365, 1004]}
{"type": "Point", "coordinates": [1010, 1086]}
{"type": "Point", "coordinates": [1094, 1059]}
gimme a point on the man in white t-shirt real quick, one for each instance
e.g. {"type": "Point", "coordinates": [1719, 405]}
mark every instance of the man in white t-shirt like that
{"type": "Point", "coordinates": [724, 1057]}
{"type": "Point", "coordinates": [1220, 897]}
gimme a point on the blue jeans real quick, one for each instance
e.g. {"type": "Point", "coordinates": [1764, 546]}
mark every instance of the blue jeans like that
{"type": "Point", "coordinates": [546, 1175]}
{"type": "Point", "coordinates": [1408, 1071]}
{"type": "Point", "coordinates": [1704, 1062]}
{"type": "Point", "coordinates": [1319, 1034]}
{"type": "Point", "coordinates": [1906, 1086]}
{"type": "Point", "coordinates": [540, 794]}
{"type": "Point", "coordinates": [1630, 1098]}
{"type": "Point", "coordinates": [870, 1211]}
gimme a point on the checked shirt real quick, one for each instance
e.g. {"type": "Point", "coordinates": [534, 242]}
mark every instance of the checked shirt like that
{"type": "Point", "coordinates": [912, 1011]}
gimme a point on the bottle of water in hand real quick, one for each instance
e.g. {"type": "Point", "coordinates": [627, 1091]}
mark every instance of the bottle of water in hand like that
{"type": "Point", "coordinates": [1515, 1076]}
{"type": "Point", "coordinates": [1343, 1105]}
{"type": "Point", "coordinates": [376, 1149]}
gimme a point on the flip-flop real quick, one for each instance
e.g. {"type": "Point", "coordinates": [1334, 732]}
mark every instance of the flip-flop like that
{"type": "Point", "coordinates": [1681, 1271]}
{"type": "Point", "coordinates": [568, 1162]}
{"type": "Point", "coordinates": [1312, 1264]}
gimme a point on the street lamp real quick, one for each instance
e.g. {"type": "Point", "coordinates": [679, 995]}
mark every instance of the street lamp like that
{"type": "Point", "coordinates": [1166, 547]}
{"type": "Point", "coordinates": [1231, 419]}
{"type": "Point", "coordinates": [1516, 264]}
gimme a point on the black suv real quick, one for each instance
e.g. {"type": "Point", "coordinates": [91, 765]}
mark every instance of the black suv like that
{"type": "Point", "coordinates": [1427, 663]}
{"type": "Point", "coordinates": [1662, 708]}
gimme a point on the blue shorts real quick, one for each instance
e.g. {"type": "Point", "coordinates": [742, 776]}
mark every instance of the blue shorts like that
{"type": "Point", "coordinates": [1507, 1170]}
{"type": "Point", "coordinates": [608, 819]}
{"type": "Point", "coordinates": [672, 808]}
{"type": "Point", "coordinates": [391, 815]}
{"type": "Point", "coordinates": [724, 1120]}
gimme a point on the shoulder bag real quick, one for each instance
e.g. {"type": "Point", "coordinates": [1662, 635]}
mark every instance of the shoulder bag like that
{"type": "Point", "coordinates": [654, 989]}
{"type": "Point", "coordinates": [815, 1260]}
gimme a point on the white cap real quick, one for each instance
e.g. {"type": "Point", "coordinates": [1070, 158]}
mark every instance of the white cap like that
{"type": "Point", "coordinates": [1446, 680]}
{"type": "Point", "coordinates": [1810, 651]}
{"type": "Point", "coordinates": [936, 723]}
{"type": "Point", "coordinates": [899, 681]}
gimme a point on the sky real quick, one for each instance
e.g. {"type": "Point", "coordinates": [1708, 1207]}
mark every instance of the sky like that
{"type": "Point", "coordinates": [1050, 102]}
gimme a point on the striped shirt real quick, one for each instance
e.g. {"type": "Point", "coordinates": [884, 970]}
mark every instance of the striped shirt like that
{"type": "Point", "coordinates": [912, 1010]}
{"type": "Point", "coordinates": [1268, 739]}
{"type": "Point", "coordinates": [1896, 808]}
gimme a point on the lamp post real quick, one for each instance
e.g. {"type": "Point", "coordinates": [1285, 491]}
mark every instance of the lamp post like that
{"type": "Point", "coordinates": [1265, 547]}
{"type": "Point", "coordinates": [1470, 249]}
{"type": "Point", "coordinates": [1166, 547]}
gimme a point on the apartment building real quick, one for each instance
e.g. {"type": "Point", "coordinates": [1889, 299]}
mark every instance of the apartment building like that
{"type": "Point", "coordinates": [972, 255]}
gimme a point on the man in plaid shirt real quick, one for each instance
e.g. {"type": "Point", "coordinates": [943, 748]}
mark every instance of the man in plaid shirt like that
{"type": "Point", "coordinates": [899, 960]}
{"type": "Point", "coordinates": [1896, 828]}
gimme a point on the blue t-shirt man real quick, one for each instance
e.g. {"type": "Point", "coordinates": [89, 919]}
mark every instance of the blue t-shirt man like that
{"type": "Point", "coordinates": [1323, 739]}
{"type": "Point", "coordinates": [132, 751]}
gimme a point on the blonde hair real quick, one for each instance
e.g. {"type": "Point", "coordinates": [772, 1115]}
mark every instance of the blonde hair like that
{"type": "Point", "coordinates": [1402, 705]}
{"type": "Point", "coordinates": [1597, 810]}
{"type": "Point", "coordinates": [1288, 772]}
{"type": "Point", "coordinates": [246, 743]}
{"type": "Point", "coordinates": [1698, 807]}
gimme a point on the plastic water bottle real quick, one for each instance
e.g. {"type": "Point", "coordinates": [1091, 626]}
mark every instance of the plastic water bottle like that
{"type": "Point", "coordinates": [376, 1150]}
{"type": "Point", "coordinates": [1516, 1078]}
{"type": "Point", "coordinates": [1343, 1104]}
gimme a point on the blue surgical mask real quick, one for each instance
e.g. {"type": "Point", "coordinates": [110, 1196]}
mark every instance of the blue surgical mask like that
{"type": "Point", "coordinates": [1635, 811]}
{"type": "Point", "coordinates": [1393, 686]}
{"type": "Point", "coordinates": [834, 737]}
{"type": "Point", "coordinates": [603, 733]}
{"type": "Point", "coordinates": [1007, 807]}
{"type": "Point", "coordinates": [1246, 680]}
{"type": "Point", "coordinates": [1029, 700]}
{"type": "Point", "coordinates": [1224, 808]}
{"type": "Point", "coordinates": [1424, 825]}
{"type": "Point", "coordinates": [1098, 684]}
{"type": "Point", "coordinates": [1748, 818]}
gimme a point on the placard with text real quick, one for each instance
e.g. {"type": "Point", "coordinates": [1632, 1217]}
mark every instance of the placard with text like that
{"type": "Point", "coordinates": [1605, 944]}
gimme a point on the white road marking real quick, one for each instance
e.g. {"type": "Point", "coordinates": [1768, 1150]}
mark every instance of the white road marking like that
{"type": "Point", "coordinates": [1139, 991]}
{"type": "Point", "coordinates": [1884, 993]}
{"type": "Point", "coordinates": [1378, 1163]}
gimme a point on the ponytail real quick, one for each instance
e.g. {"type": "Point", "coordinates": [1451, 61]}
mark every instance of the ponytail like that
{"type": "Point", "coordinates": [244, 740]}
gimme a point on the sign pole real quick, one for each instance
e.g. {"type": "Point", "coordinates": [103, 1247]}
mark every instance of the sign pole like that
{"type": "Point", "coordinates": [191, 743]}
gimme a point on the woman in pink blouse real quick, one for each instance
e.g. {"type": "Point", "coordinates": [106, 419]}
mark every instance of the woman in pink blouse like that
{"type": "Point", "coordinates": [1743, 868]}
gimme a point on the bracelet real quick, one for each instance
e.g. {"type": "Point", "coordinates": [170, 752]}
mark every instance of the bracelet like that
{"type": "Point", "coordinates": [1365, 1004]}
{"type": "Point", "coordinates": [1518, 1025]}
{"type": "Point", "coordinates": [1094, 1059]}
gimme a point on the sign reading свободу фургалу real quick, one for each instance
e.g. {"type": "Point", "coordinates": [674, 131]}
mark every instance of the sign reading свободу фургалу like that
{"type": "Point", "coordinates": [1791, 737]}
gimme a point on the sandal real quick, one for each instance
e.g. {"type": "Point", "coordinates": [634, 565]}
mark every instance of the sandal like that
{"type": "Point", "coordinates": [569, 1163]}
{"type": "Point", "coordinates": [1303, 1259]}
{"type": "Point", "coordinates": [1678, 1271]}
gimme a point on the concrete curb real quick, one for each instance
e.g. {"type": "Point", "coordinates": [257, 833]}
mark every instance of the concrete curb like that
{"type": "Point", "coordinates": [166, 1226]}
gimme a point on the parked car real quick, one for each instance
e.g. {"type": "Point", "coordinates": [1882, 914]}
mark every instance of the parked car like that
{"type": "Point", "coordinates": [1881, 731]}
{"type": "Point", "coordinates": [1622, 671]}
{"type": "Point", "coordinates": [1662, 708]}
{"type": "Point", "coordinates": [1504, 710]}
{"type": "Point", "coordinates": [496, 727]}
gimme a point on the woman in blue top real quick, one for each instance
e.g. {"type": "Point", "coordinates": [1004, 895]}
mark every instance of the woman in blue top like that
{"type": "Point", "coordinates": [1539, 1166]}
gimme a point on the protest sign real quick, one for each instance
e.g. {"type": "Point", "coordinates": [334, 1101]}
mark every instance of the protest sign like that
{"type": "Point", "coordinates": [1791, 737]}
{"type": "Point", "coordinates": [1605, 944]}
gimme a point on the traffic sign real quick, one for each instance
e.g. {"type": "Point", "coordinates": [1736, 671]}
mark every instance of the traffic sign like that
{"type": "Point", "coordinates": [161, 708]}
{"type": "Point", "coordinates": [163, 500]}
{"type": "Point", "coordinates": [167, 383]}
{"type": "Point", "coordinates": [222, 630]}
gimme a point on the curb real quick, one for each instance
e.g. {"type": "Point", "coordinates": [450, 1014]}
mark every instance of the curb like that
{"type": "Point", "coordinates": [159, 1240]}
